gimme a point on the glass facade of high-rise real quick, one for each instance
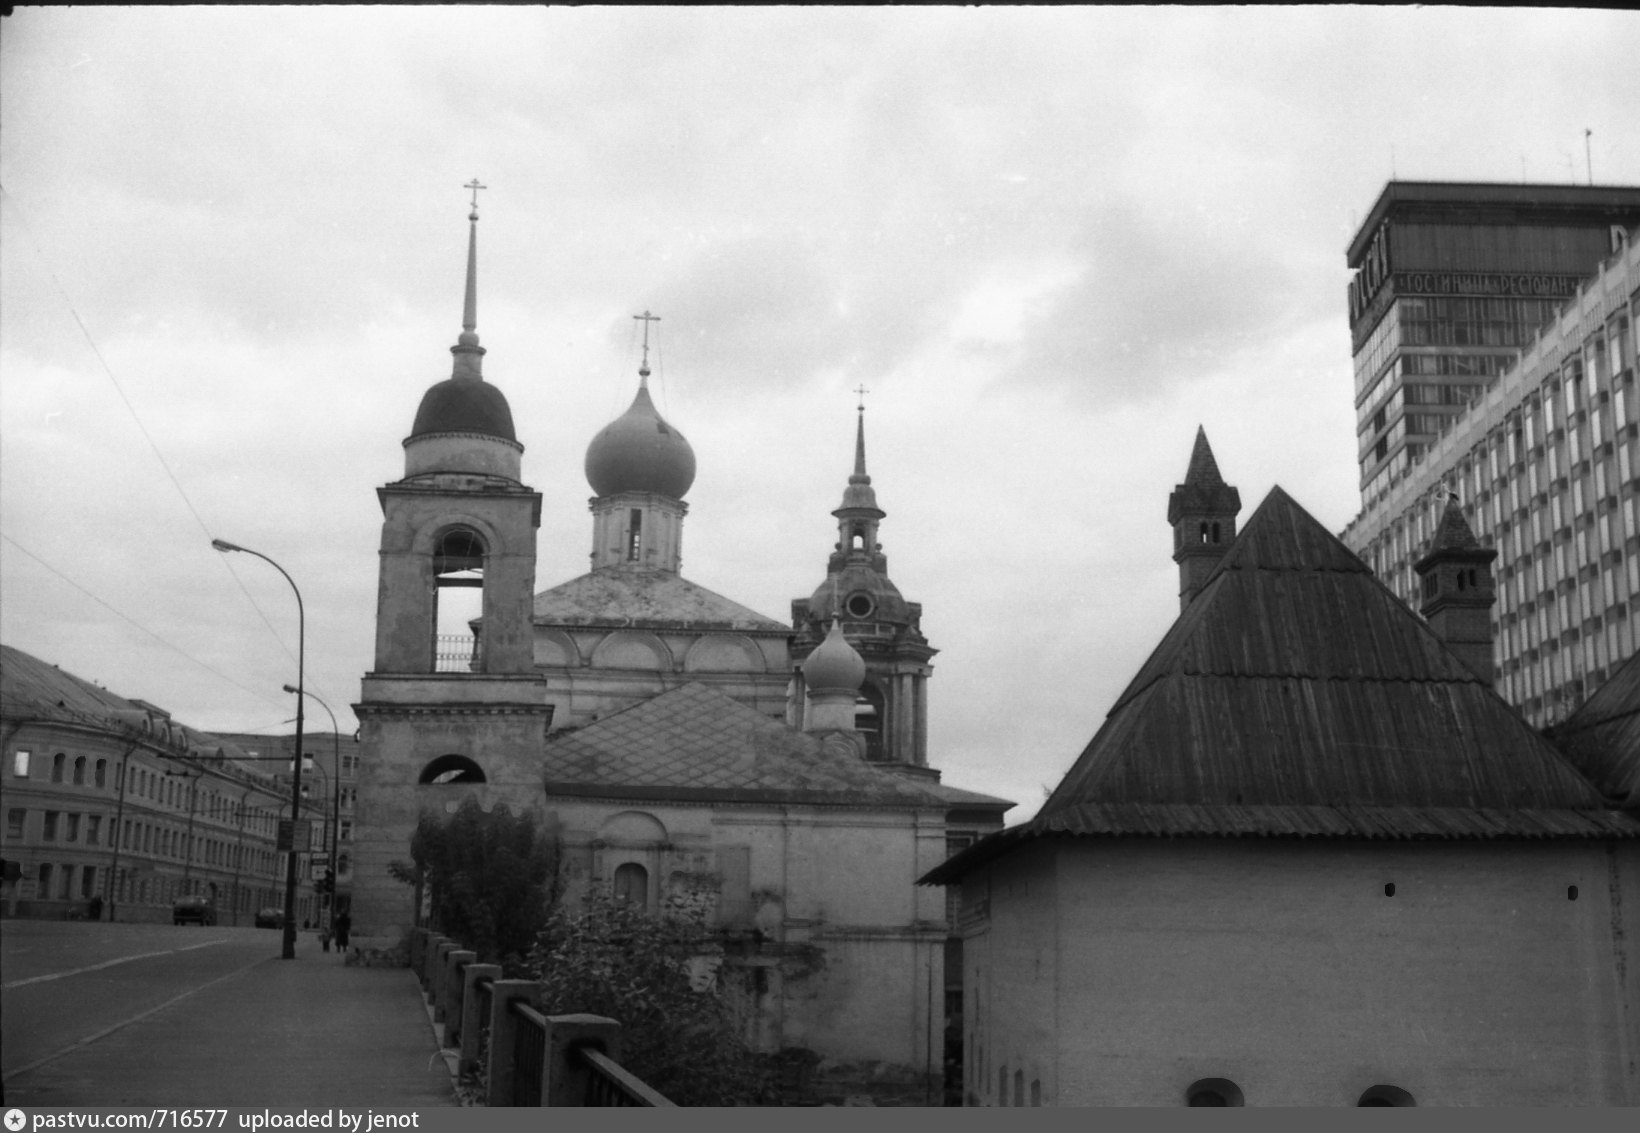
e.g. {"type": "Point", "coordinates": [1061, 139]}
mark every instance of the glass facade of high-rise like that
{"type": "Point", "coordinates": [1451, 282]}
{"type": "Point", "coordinates": [1546, 462]}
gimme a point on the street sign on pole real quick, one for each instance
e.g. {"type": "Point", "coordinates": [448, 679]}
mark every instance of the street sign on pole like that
{"type": "Point", "coordinates": [297, 833]}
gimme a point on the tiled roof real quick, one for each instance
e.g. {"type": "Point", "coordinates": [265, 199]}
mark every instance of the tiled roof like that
{"type": "Point", "coordinates": [1602, 738]}
{"type": "Point", "coordinates": [647, 599]}
{"type": "Point", "coordinates": [696, 744]}
{"type": "Point", "coordinates": [1296, 696]}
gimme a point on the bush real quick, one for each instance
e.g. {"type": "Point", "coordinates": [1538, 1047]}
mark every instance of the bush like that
{"type": "Point", "coordinates": [656, 976]}
{"type": "Point", "coordinates": [490, 877]}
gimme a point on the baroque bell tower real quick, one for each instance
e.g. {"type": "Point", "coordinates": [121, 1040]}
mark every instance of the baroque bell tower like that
{"type": "Point", "coordinates": [453, 704]}
{"type": "Point", "coordinates": [885, 630]}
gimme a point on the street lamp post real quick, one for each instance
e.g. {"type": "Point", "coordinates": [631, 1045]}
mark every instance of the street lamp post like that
{"type": "Point", "coordinates": [335, 796]}
{"type": "Point", "coordinates": [288, 952]}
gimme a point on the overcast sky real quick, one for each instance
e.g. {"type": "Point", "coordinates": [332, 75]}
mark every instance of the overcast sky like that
{"type": "Point", "coordinates": [1050, 242]}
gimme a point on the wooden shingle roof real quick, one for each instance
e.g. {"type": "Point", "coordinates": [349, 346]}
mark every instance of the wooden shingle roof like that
{"type": "Point", "coordinates": [1298, 697]}
{"type": "Point", "coordinates": [1602, 738]}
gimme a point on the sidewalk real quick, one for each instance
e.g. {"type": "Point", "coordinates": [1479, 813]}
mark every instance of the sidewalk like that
{"type": "Point", "coordinates": [308, 1033]}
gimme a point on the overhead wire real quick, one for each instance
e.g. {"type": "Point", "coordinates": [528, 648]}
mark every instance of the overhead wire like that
{"type": "Point", "coordinates": [108, 371]}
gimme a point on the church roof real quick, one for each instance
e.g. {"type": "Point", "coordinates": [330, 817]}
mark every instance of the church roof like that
{"type": "Point", "coordinates": [1602, 738]}
{"type": "Point", "coordinates": [646, 599]}
{"type": "Point", "coordinates": [1297, 696]}
{"type": "Point", "coordinates": [694, 744]}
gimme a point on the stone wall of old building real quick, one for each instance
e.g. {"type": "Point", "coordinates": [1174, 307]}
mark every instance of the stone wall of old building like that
{"type": "Point", "coordinates": [1494, 973]}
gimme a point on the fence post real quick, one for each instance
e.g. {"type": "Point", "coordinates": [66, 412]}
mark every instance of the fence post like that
{"type": "Point", "coordinates": [454, 988]}
{"type": "Point", "coordinates": [563, 1079]}
{"type": "Point", "coordinates": [504, 1036]}
{"type": "Point", "coordinates": [427, 959]}
{"type": "Point", "coordinates": [472, 1021]}
{"type": "Point", "coordinates": [439, 968]}
{"type": "Point", "coordinates": [418, 947]}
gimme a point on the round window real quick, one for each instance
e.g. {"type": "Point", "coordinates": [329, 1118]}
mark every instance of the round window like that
{"type": "Point", "coordinates": [860, 605]}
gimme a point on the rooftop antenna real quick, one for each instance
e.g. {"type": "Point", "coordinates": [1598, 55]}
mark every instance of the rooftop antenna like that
{"type": "Point", "coordinates": [1588, 158]}
{"type": "Point", "coordinates": [1392, 175]}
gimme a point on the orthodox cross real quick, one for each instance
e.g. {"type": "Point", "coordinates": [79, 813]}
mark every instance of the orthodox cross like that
{"type": "Point", "coordinates": [475, 187]}
{"type": "Point", "coordinates": [861, 390]}
{"type": "Point", "coordinates": [646, 318]}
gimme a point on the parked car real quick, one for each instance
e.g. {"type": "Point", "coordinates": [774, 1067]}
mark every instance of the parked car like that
{"type": "Point", "coordinates": [270, 916]}
{"type": "Point", "coordinates": [195, 909]}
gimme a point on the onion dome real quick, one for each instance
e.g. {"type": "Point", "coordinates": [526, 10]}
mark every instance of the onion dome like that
{"type": "Point", "coordinates": [834, 665]}
{"type": "Point", "coordinates": [640, 452]}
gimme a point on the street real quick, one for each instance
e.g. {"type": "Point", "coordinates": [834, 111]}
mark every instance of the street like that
{"type": "Point", "coordinates": [112, 1014]}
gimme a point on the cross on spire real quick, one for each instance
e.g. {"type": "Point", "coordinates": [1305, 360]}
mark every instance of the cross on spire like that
{"type": "Point", "coordinates": [646, 318]}
{"type": "Point", "coordinates": [475, 187]}
{"type": "Point", "coordinates": [861, 390]}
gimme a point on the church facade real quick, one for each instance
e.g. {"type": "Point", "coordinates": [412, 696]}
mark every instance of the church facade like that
{"type": "Point", "coordinates": [677, 743]}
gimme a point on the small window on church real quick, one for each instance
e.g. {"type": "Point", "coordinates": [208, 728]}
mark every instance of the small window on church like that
{"type": "Point", "coordinates": [632, 885]}
{"type": "Point", "coordinates": [1386, 1096]}
{"type": "Point", "coordinates": [1214, 1092]}
{"type": "Point", "coordinates": [451, 769]}
{"type": "Point", "coordinates": [634, 538]}
{"type": "Point", "coordinates": [1204, 531]}
{"type": "Point", "coordinates": [1215, 533]}
{"type": "Point", "coordinates": [860, 605]}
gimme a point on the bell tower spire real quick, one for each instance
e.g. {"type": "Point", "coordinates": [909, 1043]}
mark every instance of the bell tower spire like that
{"type": "Point", "coordinates": [857, 595]}
{"type": "Point", "coordinates": [468, 353]}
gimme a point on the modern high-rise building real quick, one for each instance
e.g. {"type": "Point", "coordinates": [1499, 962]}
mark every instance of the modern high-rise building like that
{"type": "Point", "coordinates": [1451, 282]}
{"type": "Point", "coordinates": [1535, 429]}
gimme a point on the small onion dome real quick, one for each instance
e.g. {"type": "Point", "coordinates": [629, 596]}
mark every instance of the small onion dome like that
{"type": "Point", "coordinates": [640, 452]}
{"type": "Point", "coordinates": [464, 405]}
{"type": "Point", "coordinates": [834, 664]}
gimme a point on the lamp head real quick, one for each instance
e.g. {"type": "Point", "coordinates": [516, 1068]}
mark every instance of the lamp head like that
{"type": "Point", "coordinates": [224, 545]}
{"type": "Point", "coordinates": [292, 688]}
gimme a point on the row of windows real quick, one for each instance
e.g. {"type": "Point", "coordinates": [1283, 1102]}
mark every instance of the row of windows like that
{"type": "Point", "coordinates": [144, 838]}
{"type": "Point", "coordinates": [166, 788]}
{"type": "Point", "coordinates": [1205, 1092]}
{"type": "Point", "coordinates": [1556, 488]}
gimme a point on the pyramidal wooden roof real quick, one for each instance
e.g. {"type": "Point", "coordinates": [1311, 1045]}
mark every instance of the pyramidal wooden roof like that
{"type": "Point", "coordinates": [1297, 696]}
{"type": "Point", "coordinates": [1602, 738]}
{"type": "Point", "coordinates": [694, 744]}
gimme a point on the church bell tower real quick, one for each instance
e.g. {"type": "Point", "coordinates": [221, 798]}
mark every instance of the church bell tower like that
{"type": "Point", "coordinates": [453, 704]}
{"type": "Point", "coordinates": [891, 708]}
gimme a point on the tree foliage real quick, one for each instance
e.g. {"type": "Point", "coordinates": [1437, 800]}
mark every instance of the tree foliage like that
{"type": "Point", "coordinates": [490, 876]}
{"type": "Point", "coordinates": [658, 977]}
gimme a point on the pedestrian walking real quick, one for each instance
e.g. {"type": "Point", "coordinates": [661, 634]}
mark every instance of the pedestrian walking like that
{"type": "Point", "coordinates": [343, 924]}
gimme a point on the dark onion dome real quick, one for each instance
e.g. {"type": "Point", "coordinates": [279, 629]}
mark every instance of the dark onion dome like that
{"type": "Point", "coordinates": [640, 452]}
{"type": "Point", "coordinates": [834, 664]}
{"type": "Point", "coordinates": [464, 405]}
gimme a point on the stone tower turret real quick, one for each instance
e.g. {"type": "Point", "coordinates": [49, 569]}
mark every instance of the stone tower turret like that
{"type": "Point", "coordinates": [1202, 511]}
{"type": "Point", "coordinates": [1458, 591]}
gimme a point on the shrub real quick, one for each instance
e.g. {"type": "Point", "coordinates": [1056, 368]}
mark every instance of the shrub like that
{"type": "Point", "coordinates": [490, 877]}
{"type": "Point", "coordinates": [657, 977]}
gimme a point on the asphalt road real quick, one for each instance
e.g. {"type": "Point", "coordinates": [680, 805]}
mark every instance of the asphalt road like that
{"type": "Point", "coordinates": [97, 1014]}
{"type": "Point", "coordinates": [65, 982]}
